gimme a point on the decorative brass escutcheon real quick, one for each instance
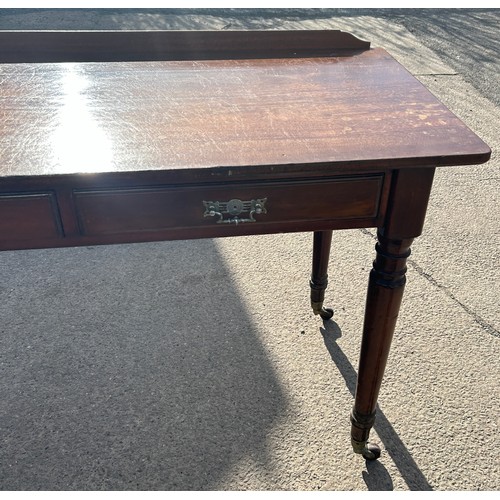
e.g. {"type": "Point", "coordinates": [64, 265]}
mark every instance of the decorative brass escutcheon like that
{"type": "Point", "coordinates": [234, 208]}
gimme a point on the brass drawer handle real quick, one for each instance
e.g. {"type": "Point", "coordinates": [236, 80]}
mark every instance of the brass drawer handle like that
{"type": "Point", "coordinates": [234, 208]}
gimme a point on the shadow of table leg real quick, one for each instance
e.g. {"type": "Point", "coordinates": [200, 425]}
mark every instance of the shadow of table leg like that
{"type": "Point", "coordinates": [376, 477]}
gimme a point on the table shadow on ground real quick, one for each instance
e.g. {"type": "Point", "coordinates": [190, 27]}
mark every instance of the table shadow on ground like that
{"type": "Point", "coordinates": [376, 476]}
{"type": "Point", "coordinates": [133, 367]}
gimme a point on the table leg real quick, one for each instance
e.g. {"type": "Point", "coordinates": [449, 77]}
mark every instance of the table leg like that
{"type": "Point", "coordinates": [385, 291]}
{"type": "Point", "coordinates": [319, 276]}
{"type": "Point", "coordinates": [404, 219]}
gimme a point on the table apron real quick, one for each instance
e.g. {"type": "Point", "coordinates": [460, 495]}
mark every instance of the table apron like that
{"type": "Point", "coordinates": [73, 215]}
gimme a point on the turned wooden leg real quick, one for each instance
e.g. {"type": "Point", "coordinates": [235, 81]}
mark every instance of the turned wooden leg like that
{"type": "Point", "coordinates": [410, 189]}
{"type": "Point", "coordinates": [319, 276]}
{"type": "Point", "coordinates": [385, 291]}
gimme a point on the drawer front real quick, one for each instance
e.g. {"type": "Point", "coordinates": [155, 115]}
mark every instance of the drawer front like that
{"type": "Point", "coordinates": [115, 211]}
{"type": "Point", "coordinates": [28, 217]}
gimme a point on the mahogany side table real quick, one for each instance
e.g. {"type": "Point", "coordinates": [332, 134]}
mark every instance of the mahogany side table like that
{"type": "Point", "coordinates": [117, 137]}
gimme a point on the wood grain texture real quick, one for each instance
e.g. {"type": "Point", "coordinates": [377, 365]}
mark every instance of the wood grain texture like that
{"type": "Point", "coordinates": [361, 111]}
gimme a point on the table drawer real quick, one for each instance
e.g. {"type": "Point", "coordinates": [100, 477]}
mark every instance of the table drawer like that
{"type": "Point", "coordinates": [29, 216]}
{"type": "Point", "coordinates": [112, 211]}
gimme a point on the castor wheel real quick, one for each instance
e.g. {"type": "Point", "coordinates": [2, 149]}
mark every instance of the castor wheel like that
{"type": "Point", "coordinates": [326, 313]}
{"type": "Point", "coordinates": [370, 451]}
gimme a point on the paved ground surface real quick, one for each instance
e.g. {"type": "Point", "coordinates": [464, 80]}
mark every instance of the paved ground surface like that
{"type": "Point", "coordinates": [197, 365]}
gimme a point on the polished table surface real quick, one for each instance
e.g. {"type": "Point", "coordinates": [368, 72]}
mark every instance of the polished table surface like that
{"type": "Point", "coordinates": [131, 116]}
{"type": "Point", "coordinates": [339, 136]}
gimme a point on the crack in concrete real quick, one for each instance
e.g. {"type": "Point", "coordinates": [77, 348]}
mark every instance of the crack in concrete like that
{"type": "Point", "coordinates": [476, 317]}
{"type": "Point", "coordinates": [435, 74]}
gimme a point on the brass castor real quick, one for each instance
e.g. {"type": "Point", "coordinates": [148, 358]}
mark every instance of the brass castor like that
{"type": "Point", "coordinates": [370, 451]}
{"type": "Point", "coordinates": [324, 312]}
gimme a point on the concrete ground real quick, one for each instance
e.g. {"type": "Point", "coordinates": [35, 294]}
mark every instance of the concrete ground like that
{"type": "Point", "coordinates": [197, 365]}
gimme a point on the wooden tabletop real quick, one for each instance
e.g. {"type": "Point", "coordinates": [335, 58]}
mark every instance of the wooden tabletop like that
{"type": "Point", "coordinates": [360, 111]}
